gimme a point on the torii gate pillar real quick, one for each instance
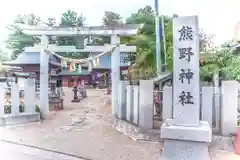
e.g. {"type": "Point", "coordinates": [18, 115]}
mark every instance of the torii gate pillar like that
{"type": "Point", "coordinates": [115, 69]}
{"type": "Point", "coordinates": [44, 62]}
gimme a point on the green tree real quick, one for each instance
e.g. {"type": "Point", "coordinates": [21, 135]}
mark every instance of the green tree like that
{"type": "Point", "coordinates": [206, 42]}
{"type": "Point", "coordinates": [5, 54]}
{"type": "Point", "coordinates": [145, 39]}
{"type": "Point", "coordinates": [225, 61]}
{"type": "Point", "coordinates": [111, 18]}
{"type": "Point", "coordinates": [16, 39]}
{"type": "Point", "coordinates": [51, 22]}
{"type": "Point", "coordinates": [70, 18]}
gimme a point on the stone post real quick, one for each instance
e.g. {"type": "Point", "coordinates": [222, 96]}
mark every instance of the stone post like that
{"type": "Point", "coordinates": [207, 104]}
{"type": "Point", "coordinates": [33, 91]}
{"type": "Point", "coordinates": [44, 66]}
{"type": "Point", "coordinates": [122, 100]}
{"type": "Point", "coordinates": [167, 103]}
{"type": "Point", "coordinates": [129, 103]}
{"type": "Point", "coordinates": [217, 101]}
{"type": "Point", "coordinates": [146, 104]}
{"type": "Point", "coordinates": [229, 107]}
{"type": "Point", "coordinates": [185, 136]}
{"type": "Point", "coordinates": [2, 99]}
{"type": "Point", "coordinates": [29, 96]}
{"type": "Point", "coordinates": [135, 104]}
{"type": "Point", "coordinates": [115, 69]}
{"type": "Point", "coordinates": [15, 99]}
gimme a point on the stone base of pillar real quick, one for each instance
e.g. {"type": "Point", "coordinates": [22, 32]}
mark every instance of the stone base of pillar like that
{"type": "Point", "coordinates": [181, 143]}
{"type": "Point", "coordinates": [19, 119]}
{"type": "Point", "coordinates": [184, 150]}
{"type": "Point", "coordinates": [76, 100]}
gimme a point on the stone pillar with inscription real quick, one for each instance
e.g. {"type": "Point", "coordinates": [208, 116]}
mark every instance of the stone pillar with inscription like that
{"type": "Point", "coordinates": [185, 136]}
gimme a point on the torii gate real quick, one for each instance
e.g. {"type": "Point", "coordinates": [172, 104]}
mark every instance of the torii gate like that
{"type": "Point", "coordinates": [114, 33]}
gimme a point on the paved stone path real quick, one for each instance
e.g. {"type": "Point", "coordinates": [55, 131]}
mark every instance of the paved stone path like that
{"type": "Point", "coordinates": [10, 151]}
{"type": "Point", "coordinates": [83, 129]}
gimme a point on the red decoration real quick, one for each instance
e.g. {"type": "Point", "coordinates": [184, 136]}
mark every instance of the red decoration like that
{"type": "Point", "coordinates": [237, 142]}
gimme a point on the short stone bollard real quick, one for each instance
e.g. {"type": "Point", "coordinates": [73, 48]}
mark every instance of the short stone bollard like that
{"type": "Point", "coordinates": [75, 95]}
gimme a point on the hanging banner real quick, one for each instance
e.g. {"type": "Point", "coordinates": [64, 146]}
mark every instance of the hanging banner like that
{"type": "Point", "coordinates": [89, 66]}
{"type": "Point", "coordinates": [79, 68]}
{"type": "Point", "coordinates": [72, 67]}
{"type": "Point", "coordinates": [63, 63]}
{"type": "Point", "coordinates": [94, 63]}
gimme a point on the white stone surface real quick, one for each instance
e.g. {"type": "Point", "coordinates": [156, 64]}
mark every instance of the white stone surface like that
{"type": "Point", "coordinates": [146, 104]}
{"type": "Point", "coordinates": [29, 95]}
{"type": "Point", "coordinates": [44, 76]}
{"type": "Point", "coordinates": [135, 104]}
{"type": "Point", "coordinates": [92, 49]}
{"type": "Point", "coordinates": [18, 119]}
{"type": "Point", "coordinates": [15, 99]}
{"type": "Point", "coordinates": [202, 133]}
{"type": "Point", "coordinates": [185, 136]}
{"type": "Point", "coordinates": [74, 31]}
{"type": "Point", "coordinates": [207, 104]}
{"type": "Point", "coordinates": [167, 110]}
{"type": "Point", "coordinates": [129, 103]}
{"type": "Point", "coordinates": [217, 109]}
{"type": "Point", "coordinates": [187, 114]}
{"type": "Point", "coordinates": [122, 100]}
{"type": "Point", "coordinates": [184, 150]}
{"type": "Point", "coordinates": [229, 107]}
{"type": "Point", "coordinates": [115, 68]}
{"type": "Point", "coordinates": [2, 99]}
{"type": "Point", "coordinates": [210, 106]}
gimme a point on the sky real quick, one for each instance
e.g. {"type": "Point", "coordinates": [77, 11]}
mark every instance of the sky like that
{"type": "Point", "coordinates": [218, 17]}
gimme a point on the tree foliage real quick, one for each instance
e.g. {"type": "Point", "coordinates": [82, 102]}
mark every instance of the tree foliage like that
{"type": "Point", "coordinates": [111, 18]}
{"type": "Point", "coordinates": [16, 39]}
{"type": "Point", "coordinates": [225, 61]}
{"type": "Point", "coordinates": [70, 18]}
{"type": "Point", "coordinates": [145, 40]}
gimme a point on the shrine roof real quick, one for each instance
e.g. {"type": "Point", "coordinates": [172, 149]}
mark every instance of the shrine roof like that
{"type": "Point", "coordinates": [162, 77]}
{"type": "Point", "coordinates": [31, 58]}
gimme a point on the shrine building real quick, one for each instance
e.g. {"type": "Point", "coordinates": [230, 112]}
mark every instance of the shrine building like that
{"type": "Point", "coordinates": [29, 61]}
